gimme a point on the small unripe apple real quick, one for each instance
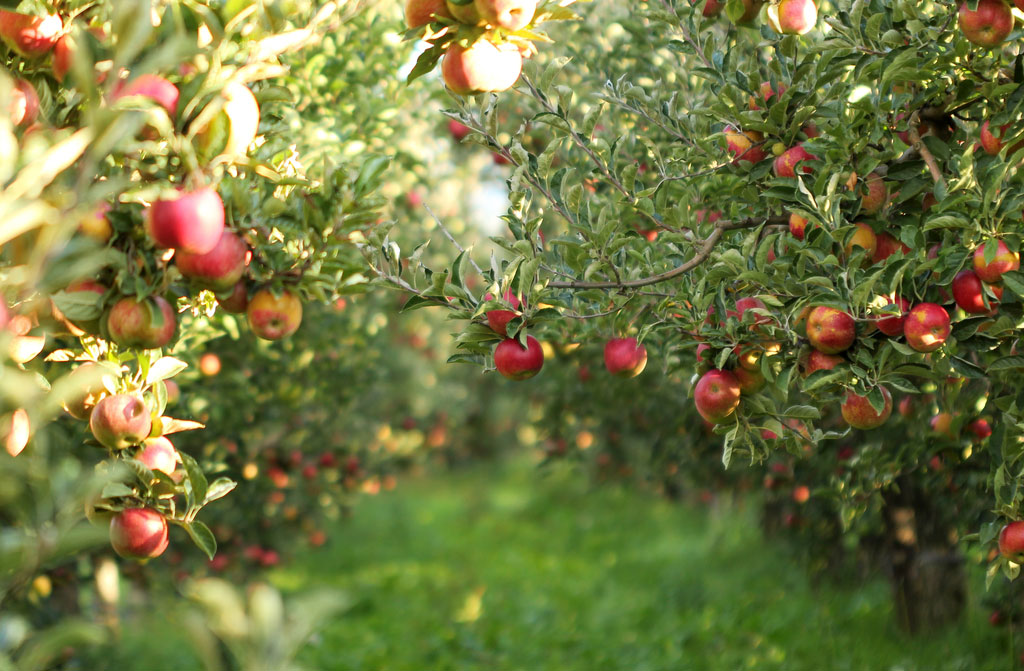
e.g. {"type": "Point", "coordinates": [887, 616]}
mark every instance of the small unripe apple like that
{"type": "Point", "coordinates": [745, 145]}
{"type": "Point", "coordinates": [220, 268]}
{"type": "Point", "coordinates": [138, 533]}
{"type": "Point", "coordinates": [516, 362]}
{"type": "Point", "coordinates": [926, 327]}
{"type": "Point", "coordinates": [793, 17]}
{"type": "Point", "coordinates": [510, 15]}
{"type": "Point", "coordinates": [717, 395]}
{"type": "Point", "coordinates": [421, 12]}
{"type": "Point", "coordinates": [120, 420]}
{"type": "Point", "coordinates": [858, 412]}
{"type": "Point", "coordinates": [30, 36]}
{"type": "Point", "coordinates": [158, 454]}
{"type": "Point", "coordinates": [625, 357]}
{"type": "Point", "coordinates": [830, 330]}
{"type": "Point", "coordinates": [147, 324]}
{"type": "Point", "coordinates": [274, 317]}
{"type": "Point", "coordinates": [1004, 261]}
{"type": "Point", "coordinates": [482, 67]}
{"type": "Point", "coordinates": [191, 221]}
{"type": "Point", "coordinates": [987, 26]}
{"type": "Point", "coordinates": [1011, 540]}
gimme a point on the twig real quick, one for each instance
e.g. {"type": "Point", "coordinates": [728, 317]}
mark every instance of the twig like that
{"type": "Point", "coordinates": [451, 238]}
{"type": "Point", "coordinates": [926, 155]}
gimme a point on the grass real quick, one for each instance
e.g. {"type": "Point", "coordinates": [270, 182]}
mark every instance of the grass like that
{"type": "Point", "coordinates": [503, 569]}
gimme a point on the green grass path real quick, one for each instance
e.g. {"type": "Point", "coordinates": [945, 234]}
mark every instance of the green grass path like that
{"type": "Point", "coordinates": [507, 569]}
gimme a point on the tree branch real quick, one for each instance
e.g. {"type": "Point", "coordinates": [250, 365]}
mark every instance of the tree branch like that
{"type": "Point", "coordinates": [926, 155]}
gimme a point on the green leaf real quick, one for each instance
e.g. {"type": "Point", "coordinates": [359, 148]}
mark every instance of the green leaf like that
{"type": "Point", "coordinates": [195, 476]}
{"type": "Point", "coordinates": [202, 537]}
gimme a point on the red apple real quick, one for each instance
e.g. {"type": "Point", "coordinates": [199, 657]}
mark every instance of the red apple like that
{"type": "Point", "coordinates": [711, 9]}
{"type": "Point", "coordinates": [516, 362]}
{"type": "Point", "coordinates": [859, 414]}
{"type": "Point", "coordinates": [793, 17]}
{"type": "Point", "coordinates": [786, 164]}
{"type": "Point", "coordinates": [885, 246]}
{"type": "Point", "coordinates": [23, 107]}
{"type": "Point", "coordinates": [801, 493]}
{"type": "Point", "coordinates": [750, 381]}
{"type": "Point", "coordinates": [220, 268]}
{"type": "Point", "coordinates": [498, 319]}
{"type": "Point", "coordinates": [830, 330]}
{"type": "Point", "coordinates": [1004, 261]}
{"type": "Point", "coordinates": [717, 395]}
{"type": "Point", "coordinates": [988, 25]}
{"type": "Point", "coordinates": [154, 87]}
{"type": "Point", "coordinates": [30, 36]}
{"type": "Point", "coordinates": [766, 93]}
{"type": "Point", "coordinates": [892, 325]}
{"type": "Point", "coordinates": [120, 420]}
{"type": "Point", "coordinates": [158, 454]}
{"type": "Point", "coordinates": [625, 357]}
{"type": "Point", "coordinates": [876, 194]}
{"type": "Point", "coordinates": [926, 327]}
{"type": "Point", "coordinates": [746, 303]}
{"type": "Point", "coordinates": [237, 300]}
{"type": "Point", "coordinates": [751, 8]}
{"type": "Point", "coordinates": [147, 324]}
{"type": "Point", "coordinates": [969, 292]}
{"type": "Point", "coordinates": [274, 317]}
{"type": "Point", "coordinates": [797, 226]}
{"type": "Point", "coordinates": [817, 360]}
{"type": "Point", "coordinates": [421, 12]}
{"type": "Point", "coordinates": [482, 67]}
{"type": "Point", "coordinates": [745, 145]}
{"type": "Point", "coordinates": [1011, 540]}
{"type": "Point", "coordinates": [906, 406]}
{"type": "Point", "coordinates": [510, 15]}
{"type": "Point", "coordinates": [138, 533]}
{"type": "Point", "coordinates": [989, 141]}
{"type": "Point", "coordinates": [192, 221]}
{"type": "Point", "coordinates": [458, 130]}
{"type": "Point", "coordinates": [980, 428]}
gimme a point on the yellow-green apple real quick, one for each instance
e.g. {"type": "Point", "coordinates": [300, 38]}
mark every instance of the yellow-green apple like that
{"type": "Point", "coordinates": [765, 94]}
{"type": "Point", "coordinates": [158, 454]}
{"type": "Point", "coordinates": [421, 12]}
{"type": "Point", "coordinates": [886, 245]}
{"type": "Point", "coordinates": [863, 236]}
{"type": "Point", "coordinates": [23, 107]}
{"type": "Point", "coordinates": [969, 292]}
{"type": "Point", "coordinates": [980, 428]}
{"type": "Point", "coordinates": [218, 269]}
{"type": "Point", "coordinates": [234, 128]}
{"type": "Point", "coordinates": [138, 533]}
{"type": "Point", "coordinates": [146, 324]}
{"type": "Point", "coordinates": [875, 195]}
{"type": "Point", "coordinates": [751, 8]}
{"type": "Point", "coordinates": [792, 17]}
{"type": "Point", "coordinates": [892, 324]}
{"type": "Point", "coordinates": [498, 319]}
{"type": "Point", "coordinates": [625, 357]}
{"type": "Point", "coordinates": [717, 395]}
{"type": "Point", "coordinates": [481, 67]}
{"type": "Point", "coordinates": [942, 424]}
{"type": "Point", "coordinates": [517, 362]}
{"type": "Point", "coordinates": [156, 88]}
{"type": "Point", "coordinates": [120, 420]}
{"type": "Point", "coordinates": [858, 412]}
{"type": "Point", "coordinates": [235, 301]}
{"type": "Point", "coordinates": [274, 317]}
{"type": "Point", "coordinates": [96, 225]}
{"type": "Point", "coordinates": [749, 356]}
{"type": "Point", "coordinates": [830, 330]}
{"type": "Point", "coordinates": [797, 226]}
{"type": "Point", "coordinates": [1011, 540]}
{"type": "Point", "coordinates": [30, 36]}
{"type": "Point", "coordinates": [785, 165]}
{"type": "Point", "coordinates": [926, 327]}
{"type": "Point", "coordinates": [83, 389]}
{"type": "Point", "coordinates": [988, 25]}
{"type": "Point", "coordinates": [750, 381]}
{"type": "Point", "coordinates": [15, 431]}
{"type": "Point", "coordinates": [745, 145]}
{"type": "Point", "coordinates": [507, 14]}
{"type": "Point", "coordinates": [189, 221]}
{"type": "Point", "coordinates": [1004, 261]}
{"type": "Point", "coordinates": [463, 11]}
{"type": "Point", "coordinates": [816, 360]}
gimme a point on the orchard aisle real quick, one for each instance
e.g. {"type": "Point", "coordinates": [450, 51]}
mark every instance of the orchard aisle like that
{"type": "Point", "coordinates": [503, 569]}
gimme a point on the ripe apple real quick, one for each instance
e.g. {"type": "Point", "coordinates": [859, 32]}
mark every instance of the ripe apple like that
{"type": "Point", "coordinates": [864, 237]}
{"type": "Point", "coordinates": [15, 431]}
{"type": "Point", "coordinates": [146, 324]}
{"type": "Point", "coordinates": [516, 362]}
{"type": "Point", "coordinates": [23, 107]}
{"type": "Point", "coordinates": [463, 11]}
{"type": "Point", "coordinates": [220, 268]}
{"type": "Point", "coordinates": [859, 414]}
{"type": "Point", "coordinates": [138, 533]}
{"type": "Point", "coordinates": [1011, 540]}
{"type": "Point", "coordinates": [750, 381]}
{"type": "Point", "coordinates": [458, 130]}
{"type": "Point", "coordinates": [887, 245]}
{"type": "Point", "coordinates": [980, 428]}
{"type": "Point", "coordinates": [237, 300]}
{"type": "Point", "coordinates": [792, 17]}
{"type": "Point", "coordinates": [421, 12]}
{"type": "Point", "coordinates": [120, 420]}
{"type": "Point", "coordinates": [926, 327]}
{"type": "Point", "coordinates": [96, 225]}
{"type": "Point", "coordinates": [766, 93]}
{"type": "Point", "coordinates": [746, 303]}
{"type": "Point", "coordinates": [988, 25]}
{"type": "Point", "coordinates": [785, 165]}
{"type": "Point", "coordinates": [801, 494]}
{"type": "Point", "coordinates": [625, 357]}
{"type": "Point", "coordinates": [1004, 261]}
{"type": "Point", "coordinates": [234, 128]}
{"type": "Point", "coordinates": [751, 8]}
{"type": "Point", "coordinates": [989, 141]}
{"type": "Point", "coordinates": [498, 319]}
{"type": "Point", "coordinates": [191, 221]}
{"type": "Point", "coordinates": [942, 424]}
{"type": "Point", "coordinates": [745, 145]}
{"type": "Point", "coordinates": [797, 226]}
{"type": "Point", "coordinates": [482, 67]}
{"type": "Point", "coordinates": [30, 36]}
{"type": "Point", "coordinates": [158, 454]}
{"type": "Point", "coordinates": [892, 325]}
{"type": "Point", "coordinates": [717, 395]}
{"type": "Point", "coordinates": [876, 194]}
{"type": "Point", "coordinates": [510, 15]}
{"type": "Point", "coordinates": [817, 360]}
{"type": "Point", "coordinates": [209, 364]}
{"type": "Point", "coordinates": [156, 88]}
{"type": "Point", "coordinates": [830, 330]}
{"type": "Point", "coordinates": [274, 317]}
{"type": "Point", "coordinates": [711, 9]}
{"type": "Point", "coordinates": [969, 292]}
